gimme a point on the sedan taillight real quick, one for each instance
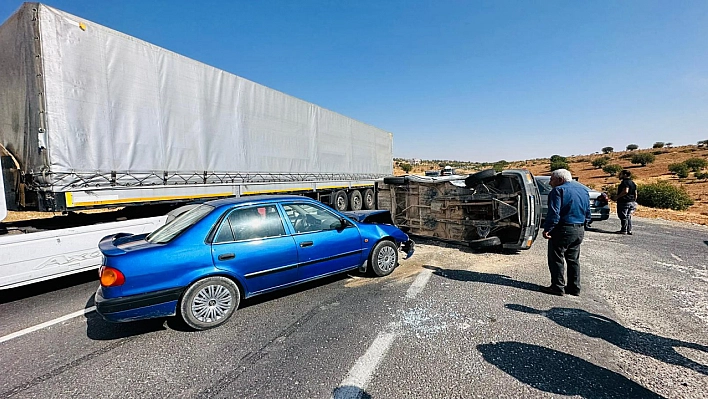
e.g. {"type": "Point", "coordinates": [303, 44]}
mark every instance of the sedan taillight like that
{"type": "Point", "coordinates": [111, 277]}
{"type": "Point", "coordinates": [602, 200]}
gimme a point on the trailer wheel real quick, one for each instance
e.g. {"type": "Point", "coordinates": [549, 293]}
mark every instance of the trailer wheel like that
{"type": "Point", "coordinates": [355, 200]}
{"type": "Point", "coordinates": [209, 302]}
{"type": "Point", "coordinates": [480, 177]}
{"type": "Point", "coordinates": [368, 199]}
{"type": "Point", "coordinates": [488, 242]}
{"type": "Point", "coordinates": [339, 201]}
{"type": "Point", "coordinates": [384, 258]}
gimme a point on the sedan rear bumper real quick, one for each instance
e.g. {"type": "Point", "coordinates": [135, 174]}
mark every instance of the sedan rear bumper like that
{"type": "Point", "coordinates": [137, 307]}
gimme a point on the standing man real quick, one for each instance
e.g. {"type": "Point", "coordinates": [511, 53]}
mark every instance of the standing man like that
{"type": "Point", "coordinates": [568, 211]}
{"type": "Point", "coordinates": [626, 201]}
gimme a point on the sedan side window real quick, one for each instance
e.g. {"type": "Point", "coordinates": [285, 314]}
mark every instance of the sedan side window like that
{"type": "Point", "coordinates": [308, 218]}
{"type": "Point", "coordinates": [251, 223]}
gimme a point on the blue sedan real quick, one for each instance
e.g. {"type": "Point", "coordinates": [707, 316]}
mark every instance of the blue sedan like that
{"type": "Point", "coordinates": [202, 263]}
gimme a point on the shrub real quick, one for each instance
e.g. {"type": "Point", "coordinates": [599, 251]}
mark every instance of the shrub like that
{"type": "Point", "coordinates": [658, 144]}
{"type": "Point", "coordinates": [559, 165]}
{"type": "Point", "coordinates": [663, 195]}
{"type": "Point", "coordinates": [600, 162]}
{"type": "Point", "coordinates": [611, 190]}
{"type": "Point", "coordinates": [406, 167]}
{"type": "Point", "coordinates": [607, 150]}
{"type": "Point", "coordinates": [500, 165]}
{"type": "Point", "coordinates": [659, 152]}
{"type": "Point", "coordinates": [679, 169]}
{"type": "Point", "coordinates": [612, 169]}
{"type": "Point", "coordinates": [626, 156]}
{"type": "Point", "coordinates": [669, 144]}
{"type": "Point", "coordinates": [701, 175]}
{"type": "Point", "coordinates": [632, 147]}
{"type": "Point", "coordinates": [696, 164]}
{"type": "Point", "coordinates": [643, 158]}
{"type": "Point", "coordinates": [556, 158]}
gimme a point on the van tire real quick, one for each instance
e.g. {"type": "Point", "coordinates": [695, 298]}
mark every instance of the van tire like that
{"type": "Point", "coordinates": [489, 242]}
{"type": "Point", "coordinates": [395, 180]}
{"type": "Point", "coordinates": [484, 176]}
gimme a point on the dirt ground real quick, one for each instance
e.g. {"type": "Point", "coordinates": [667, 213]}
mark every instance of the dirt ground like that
{"type": "Point", "coordinates": [581, 166]}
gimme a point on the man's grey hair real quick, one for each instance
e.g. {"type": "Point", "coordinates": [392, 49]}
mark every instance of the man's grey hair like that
{"type": "Point", "coordinates": [562, 174]}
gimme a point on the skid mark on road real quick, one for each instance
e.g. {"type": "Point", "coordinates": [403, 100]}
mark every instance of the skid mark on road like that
{"type": "Point", "coordinates": [46, 324]}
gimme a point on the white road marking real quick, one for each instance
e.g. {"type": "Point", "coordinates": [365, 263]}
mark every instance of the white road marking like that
{"type": "Point", "coordinates": [353, 385]}
{"type": "Point", "coordinates": [46, 324]}
{"type": "Point", "coordinates": [676, 257]}
{"type": "Point", "coordinates": [419, 283]}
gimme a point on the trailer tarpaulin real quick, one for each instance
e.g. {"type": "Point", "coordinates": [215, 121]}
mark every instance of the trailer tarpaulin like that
{"type": "Point", "coordinates": [116, 104]}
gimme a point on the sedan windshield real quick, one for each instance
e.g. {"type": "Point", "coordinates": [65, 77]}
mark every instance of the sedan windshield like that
{"type": "Point", "coordinates": [172, 229]}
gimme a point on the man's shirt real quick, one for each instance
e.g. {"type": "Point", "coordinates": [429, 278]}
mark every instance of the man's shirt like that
{"type": "Point", "coordinates": [568, 203]}
{"type": "Point", "coordinates": [628, 185]}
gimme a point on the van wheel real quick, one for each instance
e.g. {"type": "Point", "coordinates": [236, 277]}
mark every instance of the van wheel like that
{"type": "Point", "coordinates": [369, 201]}
{"type": "Point", "coordinates": [355, 200]}
{"type": "Point", "coordinates": [489, 242]}
{"type": "Point", "coordinates": [339, 201]}
{"type": "Point", "coordinates": [384, 258]}
{"type": "Point", "coordinates": [484, 176]}
{"type": "Point", "coordinates": [209, 302]}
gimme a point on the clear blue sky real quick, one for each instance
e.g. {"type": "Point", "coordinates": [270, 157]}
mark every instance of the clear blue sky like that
{"type": "Point", "coordinates": [462, 80]}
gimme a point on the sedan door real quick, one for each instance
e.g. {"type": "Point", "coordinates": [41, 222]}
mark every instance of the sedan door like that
{"type": "Point", "coordinates": [324, 245]}
{"type": "Point", "coordinates": [251, 242]}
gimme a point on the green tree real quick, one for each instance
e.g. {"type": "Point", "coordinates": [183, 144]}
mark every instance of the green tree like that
{"type": "Point", "coordinates": [406, 167]}
{"type": "Point", "coordinates": [696, 164]}
{"type": "Point", "coordinates": [668, 145]}
{"type": "Point", "coordinates": [600, 162]}
{"type": "Point", "coordinates": [679, 169]}
{"type": "Point", "coordinates": [607, 150]}
{"type": "Point", "coordinates": [500, 165]}
{"type": "Point", "coordinates": [663, 195]}
{"type": "Point", "coordinates": [632, 147]}
{"type": "Point", "coordinates": [556, 158]}
{"type": "Point", "coordinates": [643, 158]}
{"type": "Point", "coordinates": [658, 144]}
{"type": "Point", "coordinates": [559, 165]}
{"type": "Point", "coordinates": [612, 169]}
{"type": "Point", "coordinates": [701, 175]}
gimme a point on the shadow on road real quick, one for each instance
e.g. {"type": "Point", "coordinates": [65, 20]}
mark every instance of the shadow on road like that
{"type": "Point", "coordinates": [101, 330]}
{"type": "Point", "coordinates": [43, 287]}
{"type": "Point", "coordinates": [560, 373]}
{"type": "Point", "coordinates": [603, 231]}
{"type": "Point", "coordinates": [489, 278]}
{"type": "Point", "coordinates": [350, 392]}
{"type": "Point", "coordinates": [598, 326]}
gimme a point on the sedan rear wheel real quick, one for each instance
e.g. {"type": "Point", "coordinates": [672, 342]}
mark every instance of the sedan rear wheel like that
{"type": "Point", "coordinates": [384, 258]}
{"type": "Point", "coordinates": [209, 302]}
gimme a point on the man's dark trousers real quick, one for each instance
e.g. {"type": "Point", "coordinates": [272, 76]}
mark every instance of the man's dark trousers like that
{"type": "Point", "coordinates": [565, 244]}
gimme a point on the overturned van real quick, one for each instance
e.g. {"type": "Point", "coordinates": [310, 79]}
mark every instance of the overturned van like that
{"type": "Point", "coordinates": [485, 210]}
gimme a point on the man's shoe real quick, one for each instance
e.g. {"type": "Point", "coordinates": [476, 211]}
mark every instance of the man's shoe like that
{"type": "Point", "coordinates": [552, 291]}
{"type": "Point", "coordinates": [621, 232]}
{"type": "Point", "coordinates": [629, 233]}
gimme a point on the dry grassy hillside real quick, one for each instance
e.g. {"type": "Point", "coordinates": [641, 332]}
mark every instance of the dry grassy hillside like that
{"type": "Point", "coordinates": [591, 176]}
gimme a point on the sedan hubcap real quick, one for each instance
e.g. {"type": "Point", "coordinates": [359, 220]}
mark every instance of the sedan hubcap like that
{"type": "Point", "coordinates": [211, 303]}
{"type": "Point", "coordinates": [387, 259]}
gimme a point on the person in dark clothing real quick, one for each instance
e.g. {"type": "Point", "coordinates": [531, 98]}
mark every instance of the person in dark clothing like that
{"type": "Point", "coordinates": [568, 212]}
{"type": "Point", "coordinates": [626, 201]}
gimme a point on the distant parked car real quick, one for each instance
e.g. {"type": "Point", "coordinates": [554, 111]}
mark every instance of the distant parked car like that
{"type": "Point", "coordinates": [599, 202]}
{"type": "Point", "coordinates": [205, 260]}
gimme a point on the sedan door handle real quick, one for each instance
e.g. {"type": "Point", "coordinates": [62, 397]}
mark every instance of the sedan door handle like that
{"type": "Point", "coordinates": [226, 256]}
{"type": "Point", "coordinates": [306, 244]}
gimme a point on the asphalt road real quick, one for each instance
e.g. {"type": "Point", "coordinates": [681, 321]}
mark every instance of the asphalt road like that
{"type": "Point", "coordinates": [448, 323]}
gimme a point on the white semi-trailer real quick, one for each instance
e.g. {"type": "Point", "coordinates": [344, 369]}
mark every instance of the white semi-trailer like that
{"type": "Point", "coordinates": [93, 118]}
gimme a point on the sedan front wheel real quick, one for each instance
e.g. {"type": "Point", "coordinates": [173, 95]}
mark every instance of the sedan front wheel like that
{"type": "Point", "coordinates": [384, 258]}
{"type": "Point", "coordinates": [209, 302]}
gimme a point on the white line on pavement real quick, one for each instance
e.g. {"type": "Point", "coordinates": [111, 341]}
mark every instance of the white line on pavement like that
{"type": "Point", "coordinates": [46, 324]}
{"type": "Point", "coordinates": [676, 257]}
{"type": "Point", "coordinates": [353, 385]}
{"type": "Point", "coordinates": [419, 283]}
